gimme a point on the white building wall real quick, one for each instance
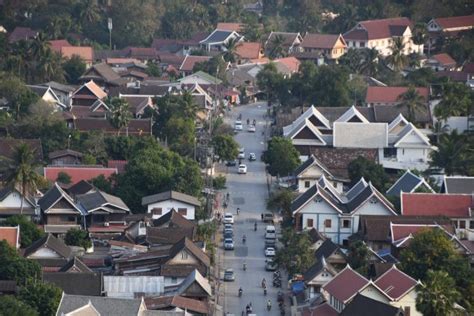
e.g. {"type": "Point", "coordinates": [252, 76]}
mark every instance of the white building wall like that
{"type": "Point", "coordinates": [44, 253]}
{"type": "Point", "coordinates": [127, 286]}
{"type": "Point", "coordinates": [168, 205]}
{"type": "Point", "coordinates": [13, 200]}
{"type": "Point", "coordinates": [373, 293]}
{"type": "Point", "coordinates": [409, 300]}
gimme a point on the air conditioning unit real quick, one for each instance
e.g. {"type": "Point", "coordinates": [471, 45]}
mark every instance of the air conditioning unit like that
{"type": "Point", "coordinates": [106, 224]}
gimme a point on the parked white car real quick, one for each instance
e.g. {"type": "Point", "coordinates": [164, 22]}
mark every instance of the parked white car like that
{"type": "Point", "coordinates": [270, 252]}
{"type": "Point", "coordinates": [228, 218]}
{"type": "Point", "coordinates": [241, 154]}
{"type": "Point", "coordinates": [238, 126]}
{"type": "Point", "coordinates": [242, 169]}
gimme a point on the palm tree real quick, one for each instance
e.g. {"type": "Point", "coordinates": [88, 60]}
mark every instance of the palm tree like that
{"type": "Point", "coordinates": [230, 50]}
{"type": "Point", "coordinates": [22, 172]}
{"type": "Point", "coordinates": [412, 101]}
{"type": "Point", "coordinates": [90, 12]}
{"type": "Point", "coordinates": [369, 65]}
{"type": "Point", "coordinates": [120, 114]}
{"type": "Point", "coordinates": [437, 295]}
{"type": "Point", "coordinates": [397, 59]}
{"type": "Point", "coordinates": [439, 128]}
{"type": "Point", "coordinates": [452, 154]}
{"type": "Point", "coordinates": [277, 46]}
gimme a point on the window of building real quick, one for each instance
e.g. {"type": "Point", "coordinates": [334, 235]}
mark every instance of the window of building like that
{"type": "Point", "coordinates": [373, 200]}
{"type": "Point", "coordinates": [345, 242]}
{"type": "Point", "coordinates": [306, 184]}
{"type": "Point", "coordinates": [327, 223]}
{"type": "Point", "coordinates": [462, 224]}
{"type": "Point", "coordinates": [362, 44]}
{"type": "Point", "coordinates": [183, 211]}
{"type": "Point", "coordinates": [309, 222]}
{"type": "Point", "coordinates": [157, 211]}
{"type": "Point", "coordinates": [471, 224]}
{"type": "Point", "coordinates": [174, 280]}
{"type": "Point", "coordinates": [346, 223]}
{"type": "Point", "coordinates": [407, 310]}
{"type": "Point", "coordinates": [389, 152]}
{"type": "Point", "coordinates": [68, 218]}
{"type": "Point", "coordinates": [184, 255]}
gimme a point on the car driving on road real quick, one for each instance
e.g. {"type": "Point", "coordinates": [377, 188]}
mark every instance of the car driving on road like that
{"type": "Point", "coordinates": [251, 129]}
{"type": "Point", "coordinates": [228, 244]}
{"type": "Point", "coordinates": [252, 157]}
{"type": "Point", "coordinates": [229, 275]}
{"type": "Point", "coordinates": [241, 154]}
{"type": "Point", "coordinates": [242, 169]}
{"type": "Point", "coordinates": [238, 126]}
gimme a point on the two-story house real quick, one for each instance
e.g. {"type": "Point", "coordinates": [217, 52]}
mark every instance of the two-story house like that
{"type": "Point", "coordinates": [311, 171]}
{"type": "Point", "coordinates": [337, 215]}
{"type": "Point", "coordinates": [330, 46]}
{"type": "Point", "coordinates": [289, 42]}
{"type": "Point", "coordinates": [162, 203]}
{"type": "Point", "coordinates": [59, 212]}
{"type": "Point", "coordinates": [379, 34]}
{"type": "Point", "coordinates": [50, 252]}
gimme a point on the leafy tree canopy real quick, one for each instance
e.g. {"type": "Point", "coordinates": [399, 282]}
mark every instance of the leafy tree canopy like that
{"type": "Point", "coordinates": [225, 147]}
{"type": "Point", "coordinates": [12, 307]}
{"type": "Point", "coordinates": [282, 157]}
{"type": "Point", "coordinates": [15, 267]}
{"type": "Point", "coordinates": [370, 171]}
{"type": "Point", "coordinates": [437, 295]}
{"type": "Point", "coordinates": [78, 237]}
{"type": "Point", "coordinates": [29, 232]}
{"type": "Point", "coordinates": [43, 297]}
{"type": "Point", "coordinates": [296, 255]}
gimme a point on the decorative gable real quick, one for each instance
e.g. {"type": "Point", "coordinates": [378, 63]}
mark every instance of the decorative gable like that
{"type": "Point", "coordinates": [44, 252]}
{"type": "Point", "coordinates": [410, 137]}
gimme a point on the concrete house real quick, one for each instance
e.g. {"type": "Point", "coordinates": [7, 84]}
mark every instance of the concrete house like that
{"type": "Point", "coordinates": [379, 34]}
{"type": "Point", "coordinates": [310, 172]}
{"type": "Point", "coordinates": [217, 40]}
{"type": "Point", "coordinates": [291, 42]}
{"type": "Point", "coordinates": [330, 46]}
{"type": "Point", "coordinates": [337, 215]}
{"type": "Point", "coordinates": [11, 201]}
{"type": "Point", "coordinates": [162, 203]}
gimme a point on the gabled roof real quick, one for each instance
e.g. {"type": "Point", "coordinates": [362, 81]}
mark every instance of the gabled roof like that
{"type": "Point", "coordinates": [168, 235]}
{"type": "Point", "coordinates": [410, 129]}
{"type": "Point", "coordinates": [290, 65]}
{"type": "Point", "coordinates": [11, 235]}
{"type": "Point", "coordinates": [432, 204]}
{"type": "Point", "coordinates": [401, 233]}
{"type": "Point", "coordinates": [51, 242]}
{"type": "Point", "coordinates": [367, 193]}
{"type": "Point", "coordinates": [309, 194]}
{"type": "Point", "coordinates": [378, 29]}
{"type": "Point", "coordinates": [104, 72]}
{"type": "Point", "coordinates": [81, 187]}
{"type": "Point", "coordinates": [356, 189]}
{"type": "Point", "coordinates": [78, 173]}
{"type": "Point", "coordinates": [85, 52]}
{"type": "Point", "coordinates": [362, 305]}
{"type": "Point", "coordinates": [248, 50]}
{"type": "Point", "coordinates": [288, 38]}
{"type": "Point", "coordinates": [400, 120]}
{"type": "Point", "coordinates": [350, 114]}
{"type": "Point", "coordinates": [53, 196]}
{"type": "Point", "coordinates": [193, 277]}
{"type": "Point", "coordinates": [229, 26]}
{"type": "Point", "coordinates": [455, 21]}
{"type": "Point", "coordinates": [311, 161]}
{"type": "Point", "coordinates": [173, 219]}
{"type": "Point", "coordinates": [94, 88]}
{"type": "Point", "coordinates": [310, 113]}
{"type": "Point", "coordinates": [170, 195]}
{"type": "Point", "coordinates": [391, 94]}
{"type": "Point", "coordinates": [75, 265]}
{"type": "Point", "coordinates": [21, 33]}
{"type": "Point", "coordinates": [306, 123]}
{"type": "Point", "coordinates": [78, 283]}
{"type": "Point", "coordinates": [458, 185]}
{"type": "Point", "coordinates": [326, 250]}
{"type": "Point", "coordinates": [444, 59]}
{"type": "Point", "coordinates": [100, 200]}
{"type": "Point", "coordinates": [187, 244]}
{"type": "Point", "coordinates": [321, 41]}
{"type": "Point", "coordinates": [395, 283]}
{"type": "Point", "coordinates": [345, 285]}
{"type": "Point", "coordinates": [180, 302]}
{"type": "Point", "coordinates": [138, 103]}
{"type": "Point", "coordinates": [64, 152]}
{"type": "Point", "coordinates": [56, 45]}
{"type": "Point", "coordinates": [104, 305]}
{"type": "Point", "coordinates": [218, 36]}
{"type": "Point", "coordinates": [408, 182]}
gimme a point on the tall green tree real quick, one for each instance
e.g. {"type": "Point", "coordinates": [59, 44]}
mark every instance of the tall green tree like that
{"type": "Point", "coordinates": [281, 156]}
{"type": "Point", "coordinates": [296, 255]}
{"type": "Point", "coordinates": [370, 171]}
{"type": "Point", "coordinates": [280, 201]}
{"type": "Point", "coordinates": [74, 67]}
{"type": "Point", "coordinates": [22, 172]}
{"type": "Point", "coordinates": [15, 267]}
{"type": "Point", "coordinates": [78, 237]}
{"type": "Point", "coordinates": [43, 297]}
{"type": "Point", "coordinates": [454, 154]}
{"type": "Point", "coordinates": [413, 102]}
{"type": "Point", "coordinates": [397, 59]}
{"type": "Point", "coordinates": [230, 50]}
{"type": "Point", "coordinates": [13, 307]}
{"type": "Point", "coordinates": [269, 80]}
{"type": "Point", "coordinates": [18, 95]}
{"type": "Point", "coordinates": [29, 232]}
{"type": "Point", "coordinates": [225, 147]}
{"type": "Point", "coordinates": [120, 114]}
{"type": "Point", "coordinates": [437, 295]}
{"type": "Point", "coordinates": [276, 47]}
{"type": "Point", "coordinates": [359, 257]}
{"type": "Point", "coordinates": [457, 100]}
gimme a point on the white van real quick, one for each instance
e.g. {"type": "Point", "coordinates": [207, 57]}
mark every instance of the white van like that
{"type": "Point", "coordinates": [270, 232]}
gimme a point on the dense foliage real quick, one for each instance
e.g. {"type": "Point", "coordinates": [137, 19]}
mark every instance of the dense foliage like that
{"type": "Point", "coordinates": [43, 297]}
{"type": "Point", "coordinates": [363, 168]}
{"type": "Point", "coordinates": [12, 307]}
{"type": "Point", "coordinates": [281, 156]}
{"type": "Point", "coordinates": [78, 237]}
{"type": "Point", "coordinates": [15, 267]}
{"type": "Point", "coordinates": [29, 232]}
{"type": "Point", "coordinates": [296, 255]}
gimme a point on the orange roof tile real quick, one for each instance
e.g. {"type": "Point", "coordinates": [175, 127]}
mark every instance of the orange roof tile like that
{"type": "Point", "coordinates": [78, 173]}
{"type": "Point", "coordinates": [390, 94]}
{"type": "Point", "coordinates": [444, 59]}
{"type": "Point", "coordinates": [85, 52]}
{"type": "Point", "coordinates": [375, 29]}
{"type": "Point", "coordinates": [94, 88]}
{"type": "Point", "coordinates": [455, 21]}
{"type": "Point", "coordinates": [11, 235]}
{"type": "Point", "coordinates": [434, 204]}
{"type": "Point", "coordinates": [56, 45]}
{"type": "Point", "coordinates": [190, 61]}
{"type": "Point", "coordinates": [291, 63]}
{"type": "Point", "coordinates": [226, 26]}
{"type": "Point", "coordinates": [249, 50]}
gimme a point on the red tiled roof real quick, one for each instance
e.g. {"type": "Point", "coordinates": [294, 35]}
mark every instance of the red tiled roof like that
{"type": "Point", "coordinates": [94, 88]}
{"type": "Point", "coordinates": [11, 235]}
{"type": "Point", "coordinates": [85, 52]}
{"type": "Point", "coordinates": [320, 310]}
{"type": "Point", "coordinates": [390, 94]}
{"type": "Point", "coordinates": [345, 284]}
{"type": "Point", "coordinates": [227, 26]}
{"type": "Point", "coordinates": [291, 63]}
{"type": "Point", "coordinates": [432, 204]}
{"type": "Point", "coordinates": [383, 28]}
{"type": "Point", "coordinates": [171, 59]}
{"type": "Point", "coordinates": [56, 45]}
{"type": "Point", "coordinates": [401, 231]}
{"type": "Point", "coordinates": [325, 41]}
{"type": "Point", "coordinates": [190, 61]}
{"type": "Point", "coordinates": [455, 21]}
{"type": "Point", "coordinates": [118, 164]}
{"type": "Point", "coordinates": [395, 283]}
{"type": "Point", "coordinates": [444, 59]}
{"type": "Point", "coordinates": [248, 50]}
{"type": "Point", "coordinates": [78, 173]}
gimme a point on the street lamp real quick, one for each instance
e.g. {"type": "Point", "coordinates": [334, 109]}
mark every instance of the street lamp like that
{"type": "Point", "coordinates": [109, 26]}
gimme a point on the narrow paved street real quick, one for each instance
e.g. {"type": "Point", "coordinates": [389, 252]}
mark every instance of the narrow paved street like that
{"type": "Point", "coordinates": [249, 193]}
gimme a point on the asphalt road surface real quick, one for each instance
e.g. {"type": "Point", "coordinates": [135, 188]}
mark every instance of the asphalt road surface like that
{"type": "Point", "coordinates": [249, 193]}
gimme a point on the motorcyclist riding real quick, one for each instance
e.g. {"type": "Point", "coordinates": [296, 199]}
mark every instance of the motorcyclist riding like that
{"type": "Point", "coordinates": [244, 238]}
{"type": "Point", "coordinates": [269, 304]}
{"type": "Point", "coordinates": [255, 226]}
{"type": "Point", "coordinates": [240, 292]}
{"type": "Point", "coordinates": [245, 266]}
{"type": "Point", "coordinates": [238, 211]}
{"type": "Point", "coordinates": [264, 283]}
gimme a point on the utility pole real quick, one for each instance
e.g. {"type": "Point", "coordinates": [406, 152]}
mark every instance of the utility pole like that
{"type": "Point", "coordinates": [109, 26]}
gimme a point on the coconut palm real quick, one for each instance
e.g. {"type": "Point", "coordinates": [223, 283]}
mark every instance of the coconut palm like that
{"type": "Point", "coordinates": [397, 59]}
{"type": "Point", "coordinates": [437, 295]}
{"type": "Point", "coordinates": [120, 114]}
{"type": "Point", "coordinates": [369, 64]}
{"type": "Point", "coordinates": [412, 101]}
{"type": "Point", "coordinates": [276, 45]}
{"type": "Point", "coordinates": [452, 154]}
{"type": "Point", "coordinates": [439, 128]}
{"type": "Point", "coordinates": [230, 50]}
{"type": "Point", "coordinates": [89, 12]}
{"type": "Point", "coordinates": [420, 34]}
{"type": "Point", "coordinates": [21, 172]}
